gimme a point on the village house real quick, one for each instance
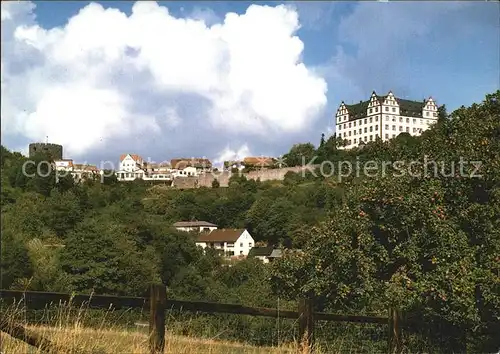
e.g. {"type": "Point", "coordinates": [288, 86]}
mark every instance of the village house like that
{"type": "Point", "coordinates": [158, 171]}
{"type": "Point", "coordinates": [192, 166]}
{"type": "Point", "coordinates": [84, 171]}
{"type": "Point", "coordinates": [78, 171]}
{"type": "Point", "coordinates": [230, 242]}
{"type": "Point", "coordinates": [198, 226]}
{"type": "Point", "coordinates": [131, 167]}
{"type": "Point", "coordinates": [265, 254]}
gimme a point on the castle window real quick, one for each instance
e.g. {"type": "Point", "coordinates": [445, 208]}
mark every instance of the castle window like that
{"type": "Point", "coordinates": [401, 119]}
{"type": "Point", "coordinates": [407, 129]}
{"type": "Point", "coordinates": [371, 110]}
{"type": "Point", "coordinates": [376, 109]}
{"type": "Point", "coordinates": [371, 137]}
{"type": "Point", "coordinates": [393, 127]}
{"type": "Point", "coordinates": [387, 109]}
{"type": "Point", "coordinates": [387, 126]}
{"type": "Point", "coordinates": [365, 138]}
{"type": "Point", "coordinates": [354, 141]}
{"type": "Point", "coordinates": [365, 121]}
{"type": "Point", "coordinates": [394, 109]}
{"type": "Point", "coordinates": [400, 128]}
{"type": "Point", "coordinates": [349, 125]}
{"type": "Point", "coordinates": [376, 119]}
{"type": "Point", "coordinates": [360, 131]}
{"type": "Point", "coordinates": [371, 119]}
{"type": "Point", "coordinates": [365, 130]}
{"type": "Point", "coordinates": [414, 121]}
{"type": "Point", "coordinates": [387, 136]}
{"type": "Point", "coordinates": [371, 128]}
{"type": "Point", "coordinates": [376, 127]}
{"type": "Point", "coordinates": [407, 120]}
{"type": "Point", "coordinates": [427, 113]}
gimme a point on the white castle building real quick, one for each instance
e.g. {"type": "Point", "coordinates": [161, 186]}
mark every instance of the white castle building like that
{"type": "Point", "coordinates": [384, 117]}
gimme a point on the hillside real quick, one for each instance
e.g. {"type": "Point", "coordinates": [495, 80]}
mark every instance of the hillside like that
{"type": "Point", "coordinates": [424, 238]}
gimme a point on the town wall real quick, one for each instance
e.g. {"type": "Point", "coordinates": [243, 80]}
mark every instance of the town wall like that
{"type": "Point", "coordinates": [263, 175]}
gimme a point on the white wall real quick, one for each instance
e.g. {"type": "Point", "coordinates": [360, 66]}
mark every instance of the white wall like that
{"type": "Point", "coordinates": [242, 245]}
{"type": "Point", "coordinates": [128, 164]}
{"type": "Point", "coordinates": [126, 175]}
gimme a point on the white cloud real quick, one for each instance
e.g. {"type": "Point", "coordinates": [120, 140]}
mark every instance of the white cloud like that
{"type": "Point", "coordinates": [85, 82]}
{"type": "Point", "coordinates": [232, 155]}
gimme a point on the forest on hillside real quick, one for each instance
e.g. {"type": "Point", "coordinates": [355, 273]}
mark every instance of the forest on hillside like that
{"type": "Point", "coordinates": [428, 244]}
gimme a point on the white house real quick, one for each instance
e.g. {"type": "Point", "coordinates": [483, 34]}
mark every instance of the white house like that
{"type": "Point", "coordinates": [233, 242]}
{"type": "Point", "coordinates": [185, 172]}
{"type": "Point", "coordinates": [131, 168]}
{"type": "Point", "coordinates": [198, 226]}
{"type": "Point", "coordinates": [384, 117]}
{"type": "Point", "coordinates": [64, 165]}
{"type": "Point", "coordinates": [84, 171]}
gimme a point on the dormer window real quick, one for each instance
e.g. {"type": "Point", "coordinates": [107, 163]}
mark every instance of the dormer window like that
{"type": "Point", "coordinates": [371, 110]}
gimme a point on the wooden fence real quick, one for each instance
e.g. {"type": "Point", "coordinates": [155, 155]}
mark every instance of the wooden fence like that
{"type": "Point", "coordinates": [158, 305]}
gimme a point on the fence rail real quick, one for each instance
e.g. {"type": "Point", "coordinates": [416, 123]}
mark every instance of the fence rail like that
{"type": "Point", "coordinates": [158, 303]}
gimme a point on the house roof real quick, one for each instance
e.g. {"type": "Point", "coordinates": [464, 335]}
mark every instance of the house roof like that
{"type": "Point", "coordinates": [82, 167]}
{"type": "Point", "coordinates": [260, 251]}
{"type": "Point", "coordinates": [407, 108]}
{"type": "Point", "coordinates": [221, 235]}
{"type": "Point", "coordinates": [276, 253]}
{"type": "Point", "coordinates": [182, 163]}
{"type": "Point", "coordinates": [134, 157]}
{"type": "Point", "coordinates": [194, 224]}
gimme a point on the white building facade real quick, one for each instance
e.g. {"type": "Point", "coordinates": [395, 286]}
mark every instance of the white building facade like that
{"type": "Point", "coordinates": [232, 242]}
{"type": "Point", "coordinates": [383, 117]}
{"type": "Point", "coordinates": [131, 168]}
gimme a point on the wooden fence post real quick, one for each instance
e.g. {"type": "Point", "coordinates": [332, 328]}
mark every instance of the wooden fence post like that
{"type": "Point", "coordinates": [157, 308]}
{"type": "Point", "coordinates": [306, 323]}
{"type": "Point", "coordinates": [395, 336]}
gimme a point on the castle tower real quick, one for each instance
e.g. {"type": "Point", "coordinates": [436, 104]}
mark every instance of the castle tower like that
{"type": "Point", "coordinates": [55, 151]}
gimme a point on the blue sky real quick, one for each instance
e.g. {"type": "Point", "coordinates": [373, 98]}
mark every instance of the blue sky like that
{"type": "Point", "coordinates": [125, 77]}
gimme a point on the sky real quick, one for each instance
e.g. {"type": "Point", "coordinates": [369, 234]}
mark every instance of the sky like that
{"type": "Point", "coordinates": [225, 80]}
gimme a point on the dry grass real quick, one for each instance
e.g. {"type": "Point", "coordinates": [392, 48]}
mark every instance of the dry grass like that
{"type": "Point", "coordinates": [69, 334]}
{"type": "Point", "coordinates": [86, 340]}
